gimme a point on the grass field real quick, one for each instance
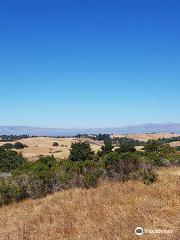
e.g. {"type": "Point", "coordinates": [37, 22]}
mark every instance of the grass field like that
{"type": "Point", "coordinates": [38, 146]}
{"type": "Point", "coordinates": [110, 212]}
{"type": "Point", "coordinates": [146, 137]}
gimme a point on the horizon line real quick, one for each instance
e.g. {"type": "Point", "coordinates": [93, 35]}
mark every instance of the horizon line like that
{"type": "Point", "coordinates": [74, 128]}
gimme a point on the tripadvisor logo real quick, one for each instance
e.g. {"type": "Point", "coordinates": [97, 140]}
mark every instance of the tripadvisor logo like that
{"type": "Point", "coordinates": [139, 231]}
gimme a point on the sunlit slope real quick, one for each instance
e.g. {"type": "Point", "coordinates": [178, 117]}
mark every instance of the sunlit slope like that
{"type": "Point", "coordinates": [38, 146]}
{"type": "Point", "coordinates": [110, 212]}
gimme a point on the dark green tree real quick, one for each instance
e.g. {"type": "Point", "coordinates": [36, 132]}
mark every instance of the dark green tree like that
{"type": "Point", "coordinates": [10, 160]}
{"type": "Point", "coordinates": [7, 146]}
{"type": "Point", "coordinates": [55, 144]}
{"type": "Point", "coordinates": [157, 147]}
{"type": "Point", "coordinates": [48, 160]}
{"type": "Point", "coordinates": [125, 148]}
{"type": "Point", "coordinates": [105, 150]}
{"type": "Point", "coordinates": [80, 151]}
{"type": "Point", "coordinates": [18, 145]}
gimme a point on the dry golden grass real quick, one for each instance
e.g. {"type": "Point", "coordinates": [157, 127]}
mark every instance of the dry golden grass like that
{"type": "Point", "coordinates": [175, 144]}
{"type": "Point", "coordinates": [146, 137]}
{"type": "Point", "coordinates": [110, 212]}
{"type": "Point", "coordinates": [44, 146]}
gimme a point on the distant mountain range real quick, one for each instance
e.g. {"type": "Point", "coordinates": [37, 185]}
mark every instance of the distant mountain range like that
{"type": "Point", "coordinates": [144, 128]}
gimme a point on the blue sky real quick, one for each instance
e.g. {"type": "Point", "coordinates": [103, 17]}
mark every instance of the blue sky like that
{"type": "Point", "coordinates": [89, 63]}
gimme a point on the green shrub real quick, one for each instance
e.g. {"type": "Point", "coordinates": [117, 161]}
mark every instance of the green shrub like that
{"type": "Point", "coordinates": [36, 179]}
{"type": "Point", "coordinates": [48, 160]}
{"type": "Point", "coordinates": [55, 144]}
{"type": "Point", "coordinates": [127, 141]}
{"type": "Point", "coordinates": [177, 148]}
{"type": "Point", "coordinates": [125, 166]}
{"type": "Point", "coordinates": [105, 150]}
{"type": "Point", "coordinates": [156, 159]}
{"type": "Point", "coordinates": [149, 177]}
{"type": "Point", "coordinates": [10, 160]}
{"type": "Point", "coordinates": [5, 194]}
{"type": "Point", "coordinates": [83, 169]}
{"type": "Point", "coordinates": [18, 145]}
{"type": "Point", "coordinates": [80, 152]}
{"type": "Point", "coordinates": [91, 179]}
{"type": "Point", "coordinates": [157, 147]}
{"type": "Point", "coordinates": [10, 194]}
{"type": "Point", "coordinates": [125, 148]}
{"type": "Point", "coordinates": [7, 146]}
{"type": "Point", "coordinates": [11, 138]}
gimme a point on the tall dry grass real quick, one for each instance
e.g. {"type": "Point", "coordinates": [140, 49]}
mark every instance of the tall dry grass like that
{"type": "Point", "coordinates": [110, 212]}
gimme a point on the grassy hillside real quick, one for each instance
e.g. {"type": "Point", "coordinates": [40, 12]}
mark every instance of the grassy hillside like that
{"type": "Point", "coordinates": [38, 146]}
{"type": "Point", "coordinates": [110, 212]}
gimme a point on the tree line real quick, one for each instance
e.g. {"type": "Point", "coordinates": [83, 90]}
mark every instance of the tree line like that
{"type": "Point", "coordinates": [12, 138]}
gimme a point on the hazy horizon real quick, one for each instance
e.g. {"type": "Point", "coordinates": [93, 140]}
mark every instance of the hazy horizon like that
{"type": "Point", "coordinates": [120, 126]}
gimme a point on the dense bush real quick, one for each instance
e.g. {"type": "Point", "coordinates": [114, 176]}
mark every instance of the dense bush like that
{"type": "Point", "coordinates": [169, 140]}
{"type": "Point", "coordinates": [18, 145]}
{"type": "Point", "coordinates": [91, 179]}
{"type": "Point", "coordinates": [125, 148]}
{"type": "Point", "coordinates": [156, 159]}
{"type": "Point", "coordinates": [82, 169]}
{"type": "Point", "coordinates": [55, 144]}
{"type": "Point", "coordinates": [10, 194]}
{"type": "Point", "coordinates": [160, 153]}
{"type": "Point", "coordinates": [125, 166]}
{"type": "Point", "coordinates": [157, 147]}
{"type": "Point", "coordinates": [77, 174]}
{"type": "Point", "coordinates": [108, 140]}
{"type": "Point", "coordinates": [80, 151]}
{"type": "Point", "coordinates": [10, 160]}
{"type": "Point", "coordinates": [105, 138]}
{"type": "Point", "coordinates": [127, 141]}
{"type": "Point", "coordinates": [105, 150]}
{"type": "Point", "coordinates": [7, 146]}
{"type": "Point", "coordinates": [120, 165]}
{"type": "Point", "coordinates": [48, 160]}
{"type": "Point", "coordinates": [36, 179]}
{"type": "Point", "coordinates": [177, 148]}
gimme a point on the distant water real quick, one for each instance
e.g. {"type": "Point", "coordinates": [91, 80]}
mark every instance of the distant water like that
{"type": "Point", "coordinates": [144, 128]}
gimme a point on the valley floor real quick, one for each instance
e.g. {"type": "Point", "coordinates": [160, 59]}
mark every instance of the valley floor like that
{"type": "Point", "coordinates": [110, 212]}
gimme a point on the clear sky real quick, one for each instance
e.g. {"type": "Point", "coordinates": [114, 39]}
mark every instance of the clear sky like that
{"type": "Point", "coordinates": [89, 63]}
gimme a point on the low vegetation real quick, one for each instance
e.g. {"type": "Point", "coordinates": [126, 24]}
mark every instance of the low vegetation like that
{"type": "Point", "coordinates": [83, 169]}
{"type": "Point", "coordinates": [177, 148]}
{"type": "Point", "coordinates": [111, 211]}
{"type": "Point", "coordinates": [9, 146]}
{"type": "Point", "coordinates": [55, 144]}
{"type": "Point", "coordinates": [169, 140]}
{"type": "Point", "coordinates": [113, 141]}
{"type": "Point", "coordinates": [127, 141]}
{"type": "Point", "coordinates": [12, 138]}
{"type": "Point", "coordinates": [10, 160]}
